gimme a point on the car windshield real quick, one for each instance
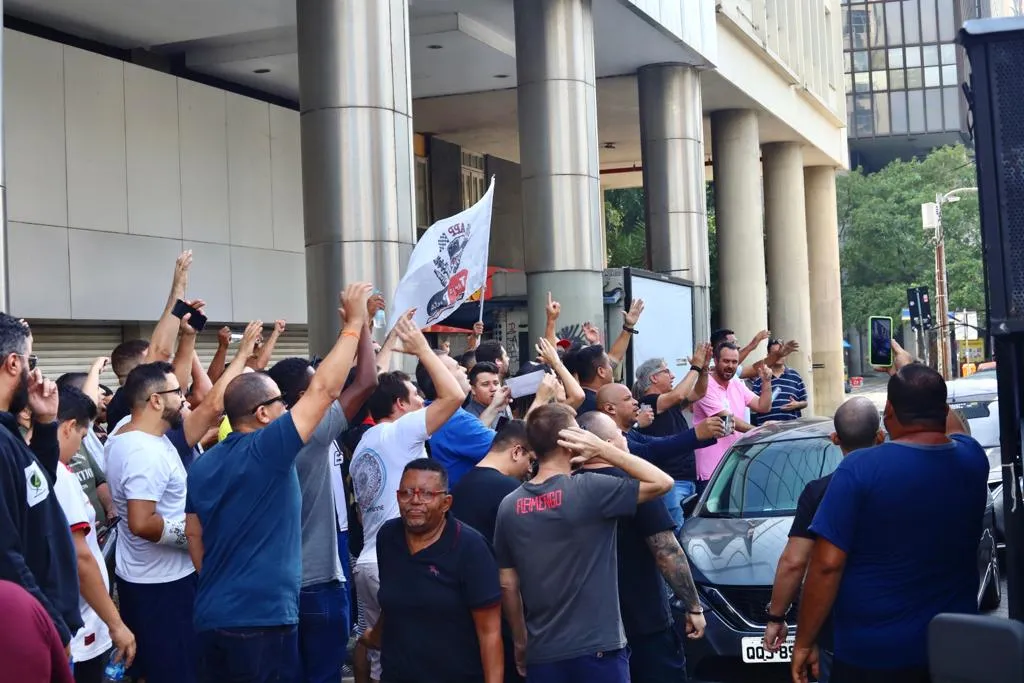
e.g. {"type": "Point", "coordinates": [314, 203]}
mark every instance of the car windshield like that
{"type": "Point", "coordinates": [765, 479]}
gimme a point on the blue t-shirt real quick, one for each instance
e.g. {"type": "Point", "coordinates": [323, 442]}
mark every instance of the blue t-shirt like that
{"type": "Point", "coordinates": [246, 493]}
{"type": "Point", "coordinates": [909, 519]}
{"type": "Point", "coordinates": [460, 444]}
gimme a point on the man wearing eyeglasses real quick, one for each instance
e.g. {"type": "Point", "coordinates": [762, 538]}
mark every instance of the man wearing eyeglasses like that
{"type": "Point", "coordinates": [155, 578]}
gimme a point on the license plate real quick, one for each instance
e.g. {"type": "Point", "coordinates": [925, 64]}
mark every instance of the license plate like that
{"type": "Point", "coordinates": [754, 652]}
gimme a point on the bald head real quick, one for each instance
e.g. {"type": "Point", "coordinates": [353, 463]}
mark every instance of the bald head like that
{"type": "Point", "coordinates": [616, 400]}
{"type": "Point", "coordinates": [598, 424]}
{"type": "Point", "coordinates": [857, 424]}
{"type": "Point", "coordinates": [245, 393]}
{"type": "Point", "coordinates": [611, 393]}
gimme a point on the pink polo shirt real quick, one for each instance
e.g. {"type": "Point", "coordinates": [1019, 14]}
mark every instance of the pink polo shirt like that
{"type": "Point", "coordinates": [734, 397]}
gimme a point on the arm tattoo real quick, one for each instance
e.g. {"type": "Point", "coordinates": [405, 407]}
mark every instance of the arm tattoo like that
{"type": "Point", "coordinates": [674, 566]}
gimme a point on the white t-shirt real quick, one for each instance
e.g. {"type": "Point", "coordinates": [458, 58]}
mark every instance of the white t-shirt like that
{"type": "Point", "coordinates": [141, 466]}
{"type": "Point", "coordinates": [93, 639]}
{"type": "Point", "coordinates": [95, 447]}
{"type": "Point", "coordinates": [376, 471]}
{"type": "Point", "coordinates": [336, 458]}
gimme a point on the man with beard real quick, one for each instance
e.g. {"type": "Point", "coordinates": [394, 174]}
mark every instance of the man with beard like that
{"type": "Point", "coordinates": [155, 577]}
{"type": "Point", "coordinates": [728, 400]}
{"type": "Point", "coordinates": [36, 551]}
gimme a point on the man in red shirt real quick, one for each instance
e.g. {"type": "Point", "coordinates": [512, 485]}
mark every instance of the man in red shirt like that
{"type": "Point", "coordinates": [30, 644]}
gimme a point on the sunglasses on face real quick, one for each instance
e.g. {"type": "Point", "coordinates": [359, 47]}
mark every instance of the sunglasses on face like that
{"type": "Point", "coordinates": [266, 404]}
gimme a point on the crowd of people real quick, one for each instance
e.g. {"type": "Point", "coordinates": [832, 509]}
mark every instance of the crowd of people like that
{"type": "Point", "coordinates": [263, 512]}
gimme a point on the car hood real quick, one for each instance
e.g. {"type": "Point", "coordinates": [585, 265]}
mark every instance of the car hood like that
{"type": "Point", "coordinates": [735, 552]}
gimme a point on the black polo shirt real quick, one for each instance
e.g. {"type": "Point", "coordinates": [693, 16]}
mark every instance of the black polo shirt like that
{"type": "Point", "coordinates": [428, 635]}
{"type": "Point", "coordinates": [806, 507]}
{"type": "Point", "coordinates": [667, 423]}
{"type": "Point", "coordinates": [475, 499]}
{"type": "Point", "coordinates": [642, 597]}
{"type": "Point", "coordinates": [589, 404]}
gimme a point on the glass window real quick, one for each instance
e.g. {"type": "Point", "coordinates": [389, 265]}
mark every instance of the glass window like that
{"type": "Point", "coordinates": [931, 77]}
{"type": "Point", "coordinates": [878, 59]}
{"type": "Point", "coordinates": [897, 79]}
{"type": "Point", "coordinates": [893, 23]}
{"type": "Point", "coordinates": [930, 55]}
{"type": "Point", "coordinates": [882, 114]}
{"type": "Point", "coordinates": [948, 53]}
{"type": "Point", "coordinates": [915, 79]}
{"type": "Point", "coordinates": [911, 25]}
{"type": "Point", "coordinates": [895, 57]}
{"type": "Point", "coordinates": [933, 109]}
{"type": "Point", "coordinates": [876, 29]}
{"type": "Point", "coordinates": [847, 62]}
{"type": "Point", "coordinates": [951, 105]}
{"type": "Point", "coordinates": [947, 28]}
{"type": "Point", "coordinates": [898, 105]}
{"type": "Point", "coordinates": [422, 194]}
{"type": "Point", "coordinates": [859, 26]}
{"type": "Point", "coordinates": [860, 60]}
{"type": "Point", "coordinates": [861, 83]}
{"type": "Point", "coordinates": [767, 478]}
{"type": "Point", "coordinates": [845, 11]}
{"type": "Point", "coordinates": [929, 22]}
{"type": "Point", "coordinates": [863, 118]}
{"type": "Point", "coordinates": [848, 78]}
{"type": "Point", "coordinates": [949, 76]}
{"type": "Point", "coordinates": [879, 81]}
{"type": "Point", "coordinates": [915, 110]}
{"type": "Point", "coordinates": [849, 112]}
{"type": "Point", "coordinates": [913, 56]}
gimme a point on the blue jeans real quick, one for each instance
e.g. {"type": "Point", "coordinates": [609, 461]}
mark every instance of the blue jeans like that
{"type": "Point", "coordinates": [680, 491]}
{"type": "Point", "coordinates": [323, 632]}
{"type": "Point", "coordinates": [657, 658]}
{"type": "Point", "coordinates": [160, 616]}
{"type": "Point", "coordinates": [601, 667]}
{"type": "Point", "coordinates": [248, 655]}
{"type": "Point", "coordinates": [350, 586]}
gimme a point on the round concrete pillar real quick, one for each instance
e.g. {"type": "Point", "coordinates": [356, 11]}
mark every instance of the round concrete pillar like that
{"type": "Point", "coordinates": [789, 299]}
{"type": "Point", "coordinates": [826, 303]}
{"type": "Point", "coordinates": [742, 289]}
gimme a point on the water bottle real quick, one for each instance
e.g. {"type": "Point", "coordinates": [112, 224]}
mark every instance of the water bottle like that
{"type": "Point", "coordinates": [380, 318]}
{"type": "Point", "coordinates": [114, 671]}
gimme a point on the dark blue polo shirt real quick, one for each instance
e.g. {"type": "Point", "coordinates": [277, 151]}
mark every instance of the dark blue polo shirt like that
{"type": "Point", "coordinates": [429, 635]}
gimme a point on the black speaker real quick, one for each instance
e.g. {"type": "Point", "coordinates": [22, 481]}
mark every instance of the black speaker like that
{"type": "Point", "coordinates": [995, 48]}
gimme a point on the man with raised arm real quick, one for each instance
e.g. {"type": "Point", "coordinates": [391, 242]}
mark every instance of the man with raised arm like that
{"type": "Point", "coordinates": [403, 426]}
{"type": "Point", "coordinates": [243, 517]}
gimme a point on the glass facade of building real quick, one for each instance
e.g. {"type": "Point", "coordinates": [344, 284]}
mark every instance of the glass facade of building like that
{"type": "Point", "coordinates": [903, 67]}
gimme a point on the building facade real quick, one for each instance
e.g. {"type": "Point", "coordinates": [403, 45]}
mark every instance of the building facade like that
{"type": "Point", "coordinates": [295, 146]}
{"type": "Point", "coordinates": [903, 71]}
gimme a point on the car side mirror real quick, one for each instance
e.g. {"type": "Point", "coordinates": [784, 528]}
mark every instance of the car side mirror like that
{"type": "Point", "coordinates": [689, 504]}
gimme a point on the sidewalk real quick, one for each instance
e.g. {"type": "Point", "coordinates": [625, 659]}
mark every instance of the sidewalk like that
{"type": "Point", "coordinates": [874, 388]}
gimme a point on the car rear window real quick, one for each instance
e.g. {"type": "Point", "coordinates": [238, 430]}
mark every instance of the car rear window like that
{"type": "Point", "coordinates": [766, 479]}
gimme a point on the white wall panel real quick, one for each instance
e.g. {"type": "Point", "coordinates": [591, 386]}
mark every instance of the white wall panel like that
{"type": "Point", "coordinates": [120, 277]}
{"type": "Point", "coordinates": [38, 271]}
{"type": "Point", "coordinates": [94, 119]}
{"type": "Point", "coordinates": [33, 101]}
{"type": "Point", "coordinates": [202, 122]}
{"type": "Point", "coordinates": [154, 182]}
{"type": "Point", "coordinates": [210, 278]}
{"type": "Point", "coordinates": [249, 185]}
{"type": "Point", "coordinates": [268, 285]}
{"type": "Point", "coordinates": [286, 180]}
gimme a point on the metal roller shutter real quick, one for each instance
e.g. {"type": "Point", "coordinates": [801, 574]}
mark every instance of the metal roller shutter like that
{"type": "Point", "coordinates": [73, 348]}
{"type": "Point", "coordinates": [294, 342]}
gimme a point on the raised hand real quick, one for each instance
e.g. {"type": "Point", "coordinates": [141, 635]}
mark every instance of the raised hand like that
{"type": "Point", "coordinates": [765, 373]}
{"type": "Point", "coordinates": [502, 397]}
{"type": "Point", "coordinates": [250, 337]}
{"type": "Point", "coordinates": [101, 363]}
{"type": "Point", "coordinates": [548, 389]}
{"type": "Point", "coordinates": [710, 428]}
{"type": "Point", "coordinates": [42, 397]}
{"type": "Point", "coordinates": [374, 305]}
{"type": "Point", "coordinates": [632, 316]}
{"type": "Point", "coordinates": [478, 329]}
{"type": "Point", "coordinates": [224, 336]}
{"type": "Point", "coordinates": [412, 338]}
{"type": "Point", "coordinates": [181, 266]}
{"type": "Point", "coordinates": [553, 308]}
{"type": "Point", "coordinates": [591, 334]}
{"type": "Point", "coordinates": [701, 353]}
{"type": "Point", "coordinates": [354, 303]}
{"type": "Point", "coordinates": [762, 336]}
{"type": "Point", "coordinates": [645, 418]}
{"type": "Point", "coordinates": [547, 352]}
{"type": "Point", "coordinates": [586, 445]}
{"type": "Point", "coordinates": [279, 326]}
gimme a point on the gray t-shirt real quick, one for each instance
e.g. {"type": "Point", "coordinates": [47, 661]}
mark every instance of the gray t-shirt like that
{"type": "Point", "coordinates": [560, 538]}
{"type": "Point", "coordinates": [320, 562]}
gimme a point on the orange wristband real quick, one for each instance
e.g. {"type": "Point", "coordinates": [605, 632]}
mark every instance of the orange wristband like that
{"type": "Point", "coordinates": [350, 333]}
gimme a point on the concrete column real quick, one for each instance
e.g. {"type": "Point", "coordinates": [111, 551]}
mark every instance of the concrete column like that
{"type": "Point", "coordinates": [743, 292]}
{"type": "Point", "coordinates": [562, 204]}
{"type": "Point", "coordinates": [826, 301]}
{"type": "Point", "coordinates": [672, 139]}
{"type": "Point", "coordinates": [5, 303]}
{"type": "Point", "coordinates": [357, 151]}
{"type": "Point", "coordinates": [789, 300]}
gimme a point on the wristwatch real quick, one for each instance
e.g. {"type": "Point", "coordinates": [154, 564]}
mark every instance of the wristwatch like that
{"type": "Point", "coordinates": [772, 619]}
{"type": "Point", "coordinates": [631, 330]}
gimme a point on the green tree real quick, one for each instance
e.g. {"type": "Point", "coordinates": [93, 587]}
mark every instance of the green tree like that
{"type": "Point", "coordinates": [884, 248]}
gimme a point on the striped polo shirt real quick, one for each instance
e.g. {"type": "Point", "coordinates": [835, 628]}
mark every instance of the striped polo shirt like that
{"type": "Point", "coordinates": [788, 386]}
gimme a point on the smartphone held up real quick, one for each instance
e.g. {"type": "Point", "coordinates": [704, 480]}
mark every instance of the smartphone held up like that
{"type": "Point", "coordinates": [880, 341]}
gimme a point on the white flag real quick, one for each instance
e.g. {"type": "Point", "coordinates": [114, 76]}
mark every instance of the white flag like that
{"type": "Point", "coordinates": [447, 266]}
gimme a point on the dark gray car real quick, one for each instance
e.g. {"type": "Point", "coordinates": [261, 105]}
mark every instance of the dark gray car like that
{"type": "Point", "coordinates": [735, 534]}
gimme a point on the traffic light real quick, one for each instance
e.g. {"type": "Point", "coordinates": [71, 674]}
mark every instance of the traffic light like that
{"type": "Point", "coordinates": [920, 308]}
{"type": "Point", "coordinates": [926, 309]}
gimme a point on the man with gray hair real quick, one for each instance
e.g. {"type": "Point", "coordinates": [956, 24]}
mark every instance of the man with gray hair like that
{"type": "Point", "coordinates": [857, 425]}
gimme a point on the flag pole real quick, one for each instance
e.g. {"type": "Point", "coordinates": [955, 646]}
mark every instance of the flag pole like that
{"type": "Point", "coordinates": [483, 290]}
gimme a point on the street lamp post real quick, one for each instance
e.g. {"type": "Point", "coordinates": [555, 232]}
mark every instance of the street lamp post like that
{"type": "Point", "coordinates": [931, 218]}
